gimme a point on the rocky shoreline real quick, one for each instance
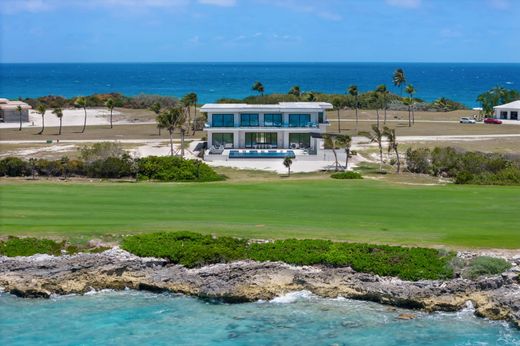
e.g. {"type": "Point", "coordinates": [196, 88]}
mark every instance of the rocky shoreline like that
{"type": "Point", "coordinates": [41, 276]}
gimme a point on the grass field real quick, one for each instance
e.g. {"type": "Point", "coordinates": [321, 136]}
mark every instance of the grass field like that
{"type": "Point", "coordinates": [368, 211]}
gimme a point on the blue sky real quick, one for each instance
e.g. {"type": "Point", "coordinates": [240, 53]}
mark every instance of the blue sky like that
{"type": "Point", "coordinates": [260, 30]}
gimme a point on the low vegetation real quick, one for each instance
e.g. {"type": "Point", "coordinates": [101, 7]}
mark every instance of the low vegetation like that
{"type": "Point", "coordinates": [14, 246]}
{"type": "Point", "coordinates": [346, 175]}
{"type": "Point", "coordinates": [485, 266]}
{"type": "Point", "coordinates": [109, 161]}
{"type": "Point", "coordinates": [193, 249]}
{"type": "Point", "coordinates": [465, 167]}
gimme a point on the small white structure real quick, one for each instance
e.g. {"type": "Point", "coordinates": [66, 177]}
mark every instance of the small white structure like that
{"type": "Point", "coordinates": [9, 111]}
{"type": "Point", "coordinates": [286, 125]}
{"type": "Point", "coordinates": [508, 111]}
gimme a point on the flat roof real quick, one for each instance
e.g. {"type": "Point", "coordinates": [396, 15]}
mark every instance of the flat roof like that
{"type": "Point", "coordinates": [514, 105]}
{"type": "Point", "coordinates": [279, 107]}
{"type": "Point", "coordinates": [7, 104]}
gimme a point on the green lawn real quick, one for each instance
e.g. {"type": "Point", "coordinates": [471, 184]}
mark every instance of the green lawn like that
{"type": "Point", "coordinates": [371, 211]}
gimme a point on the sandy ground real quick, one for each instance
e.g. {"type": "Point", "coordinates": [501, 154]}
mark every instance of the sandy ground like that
{"type": "Point", "coordinates": [71, 117]}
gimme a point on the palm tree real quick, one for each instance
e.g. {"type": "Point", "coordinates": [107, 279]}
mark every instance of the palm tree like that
{"type": "Point", "coordinates": [410, 90]}
{"type": "Point", "coordinates": [383, 91]}
{"type": "Point", "coordinates": [19, 109]}
{"type": "Point", "coordinates": [170, 120]}
{"type": "Point", "coordinates": [407, 101]}
{"type": "Point", "coordinates": [345, 141]}
{"type": "Point", "coordinates": [82, 103]}
{"type": "Point", "coordinates": [59, 114]}
{"type": "Point", "coordinates": [110, 104]}
{"type": "Point", "coordinates": [376, 136]}
{"type": "Point", "coordinates": [376, 98]}
{"type": "Point", "coordinates": [399, 79]}
{"type": "Point", "coordinates": [392, 145]}
{"type": "Point", "coordinates": [41, 109]}
{"type": "Point", "coordinates": [353, 90]}
{"type": "Point", "coordinates": [310, 97]}
{"type": "Point", "coordinates": [287, 162]}
{"type": "Point", "coordinates": [257, 86]}
{"type": "Point", "coordinates": [336, 103]}
{"type": "Point", "coordinates": [295, 90]}
{"type": "Point", "coordinates": [331, 141]}
{"type": "Point", "coordinates": [156, 108]}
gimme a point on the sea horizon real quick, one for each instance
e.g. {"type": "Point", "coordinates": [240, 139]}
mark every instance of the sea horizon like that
{"type": "Point", "coordinates": [461, 82]}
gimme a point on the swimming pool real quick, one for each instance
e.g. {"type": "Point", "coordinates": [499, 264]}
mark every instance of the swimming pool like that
{"type": "Point", "coordinates": [261, 154]}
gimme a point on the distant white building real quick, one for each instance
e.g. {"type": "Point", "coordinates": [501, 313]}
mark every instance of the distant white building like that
{"type": "Point", "coordinates": [286, 125]}
{"type": "Point", "coordinates": [508, 111]}
{"type": "Point", "coordinates": [9, 111]}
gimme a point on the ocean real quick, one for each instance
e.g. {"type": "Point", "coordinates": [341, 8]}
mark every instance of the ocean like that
{"type": "Point", "coordinates": [458, 81]}
{"type": "Point", "coordinates": [140, 318]}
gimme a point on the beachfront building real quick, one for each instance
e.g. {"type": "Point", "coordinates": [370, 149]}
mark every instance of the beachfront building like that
{"type": "Point", "coordinates": [9, 111]}
{"type": "Point", "coordinates": [508, 111]}
{"type": "Point", "coordinates": [286, 125]}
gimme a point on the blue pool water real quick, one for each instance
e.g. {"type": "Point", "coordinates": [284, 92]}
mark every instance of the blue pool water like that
{"type": "Point", "coordinates": [261, 154]}
{"type": "Point", "coordinates": [137, 318]}
{"type": "Point", "coordinates": [211, 81]}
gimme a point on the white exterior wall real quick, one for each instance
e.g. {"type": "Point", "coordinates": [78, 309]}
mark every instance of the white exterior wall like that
{"type": "Point", "coordinates": [498, 112]}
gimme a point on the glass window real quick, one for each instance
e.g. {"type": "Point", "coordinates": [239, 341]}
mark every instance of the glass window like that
{"type": "Point", "coordinates": [222, 139]}
{"type": "Point", "coordinates": [299, 140]}
{"type": "Point", "coordinates": [223, 120]}
{"type": "Point", "coordinates": [320, 117]}
{"type": "Point", "coordinates": [273, 120]}
{"type": "Point", "coordinates": [514, 115]}
{"type": "Point", "coordinates": [248, 120]}
{"type": "Point", "coordinates": [503, 115]}
{"type": "Point", "coordinates": [261, 139]}
{"type": "Point", "coordinates": [299, 120]}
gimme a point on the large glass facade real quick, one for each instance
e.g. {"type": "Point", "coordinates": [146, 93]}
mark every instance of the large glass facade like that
{"type": "Point", "coordinates": [224, 139]}
{"type": "Point", "coordinates": [223, 120]}
{"type": "Point", "coordinates": [299, 120]}
{"type": "Point", "coordinates": [273, 120]}
{"type": "Point", "coordinates": [261, 140]}
{"type": "Point", "coordinates": [300, 140]}
{"type": "Point", "coordinates": [249, 120]}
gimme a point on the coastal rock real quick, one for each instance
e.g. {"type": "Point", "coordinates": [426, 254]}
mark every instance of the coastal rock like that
{"type": "Point", "coordinates": [496, 297]}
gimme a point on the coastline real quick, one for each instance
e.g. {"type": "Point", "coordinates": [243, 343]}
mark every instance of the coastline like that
{"type": "Point", "coordinates": [41, 276]}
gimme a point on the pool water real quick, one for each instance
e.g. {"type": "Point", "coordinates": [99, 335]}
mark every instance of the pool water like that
{"type": "Point", "coordinates": [261, 154]}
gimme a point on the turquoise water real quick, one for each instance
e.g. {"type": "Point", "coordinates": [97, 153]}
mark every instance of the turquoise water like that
{"type": "Point", "coordinates": [211, 81]}
{"type": "Point", "coordinates": [137, 318]}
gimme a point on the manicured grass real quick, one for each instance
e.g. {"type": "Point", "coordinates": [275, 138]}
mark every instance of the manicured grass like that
{"type": "Point", "coordinates": [362, 210]}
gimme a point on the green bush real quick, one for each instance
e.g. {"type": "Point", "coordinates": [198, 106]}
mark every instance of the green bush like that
{"type": "Point", "coordinates": [14, 167]}
{"type": "Point", "coordinates": [111, 167]}
{"type": "Point", "coordinates": [14, 246]}
{"type": "Point", "coordinates": [346, 175]}
{"type": "Point", "coordinates": [485, 265]}
{"type": "Point", "coordinates": [172, 168]}
{"type": "Point", "coordinates": [418, 160]}
{"type": "Point", "coordinates": [192, 249]}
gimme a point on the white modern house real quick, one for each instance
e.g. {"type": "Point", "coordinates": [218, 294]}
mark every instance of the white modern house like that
{"type": "Point", "coordinates": [508, 111]}
{"type": "Point", "coordinates": [286, 125]}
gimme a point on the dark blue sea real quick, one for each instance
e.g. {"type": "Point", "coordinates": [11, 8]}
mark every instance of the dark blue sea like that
{"type": "Point", "coordinates": [211, 81]}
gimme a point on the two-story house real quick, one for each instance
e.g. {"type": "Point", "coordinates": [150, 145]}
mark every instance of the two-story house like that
{"type": "Point", "coordinates": [286, 125]}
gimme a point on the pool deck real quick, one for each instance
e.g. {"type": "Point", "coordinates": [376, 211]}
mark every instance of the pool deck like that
{"type": "Point", "coordinates": [303, 162]}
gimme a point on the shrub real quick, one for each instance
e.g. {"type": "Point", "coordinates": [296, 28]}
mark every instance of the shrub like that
{"type": "Point", "coordinates": [111, 167]}
{"type": "Point", "coordinates": [14, 246]}
{"type": "Point", "coordinates": [171, 168]}
{"type": "Point", "coordinates": [485, 265]}
{"type": "Point", "coordinates": [101, 151]}
{"type": "Point", "coordinates": [418, 160]}
{"type": "Point", "coordinates": [192, 249]}
{"type": "Point", "coordinates": [14, 167]}
{"type": "Point", "coordinates": [346, 175]}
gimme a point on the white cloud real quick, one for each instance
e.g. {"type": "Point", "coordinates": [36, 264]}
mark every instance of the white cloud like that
{"type": "Point", "coordinates": [404, 3]}
{"type": "Point", "coordinates": [223, 3]}
{"type": "Point", "coordinates": [15, 6]}
{"type": "Point", "coordinates": [499, 4]}
{"type": "Point", "coordinates": [316, 8]}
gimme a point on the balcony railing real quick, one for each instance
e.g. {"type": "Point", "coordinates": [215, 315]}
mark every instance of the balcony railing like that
{"type": "Point", "coordinates": [285, 125]}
